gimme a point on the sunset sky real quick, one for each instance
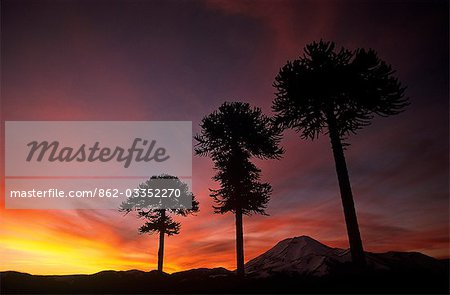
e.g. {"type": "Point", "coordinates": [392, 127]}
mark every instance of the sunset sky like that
{"type": "Point", "coordinates": [180, 60]}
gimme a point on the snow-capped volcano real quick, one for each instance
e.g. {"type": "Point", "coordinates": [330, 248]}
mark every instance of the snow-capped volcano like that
{"type": "Point", "coordinates": [302, 255]}
{"type": "Point", "coordinates": [306, 256]}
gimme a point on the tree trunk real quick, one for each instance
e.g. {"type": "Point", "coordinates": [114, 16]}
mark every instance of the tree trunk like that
{"type": "Point", "coordinates": [161, 242]}
{"type": "Point", "coordinates": [239, 243]}
{"type": "Point", "coordinates": [354, 237]}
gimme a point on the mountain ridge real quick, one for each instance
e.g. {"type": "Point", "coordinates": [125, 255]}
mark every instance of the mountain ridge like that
{"type": "Point", "coordinates": [300, 264]}
{"type": "Point", "coordinates": [304, 255]}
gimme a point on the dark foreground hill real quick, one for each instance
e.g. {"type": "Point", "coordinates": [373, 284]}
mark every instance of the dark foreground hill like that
{"type": "Point", "coordinates": [296, 265]}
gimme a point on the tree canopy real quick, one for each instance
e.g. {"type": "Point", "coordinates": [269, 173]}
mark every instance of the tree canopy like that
{"type": "Point", "coordinates": [351, 85]}
{"type": "Point", "coordinates": [232, 135]}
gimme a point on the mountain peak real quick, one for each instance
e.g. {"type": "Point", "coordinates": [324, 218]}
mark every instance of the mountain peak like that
{"type": "Point", "coordinates": [305, 244]}
{"type": "Point", "coordinates": [307, 239]}
{"type": "Point", "coordinates": [297, 254]}
{"type": "Point", "coordinates": [304, 237]}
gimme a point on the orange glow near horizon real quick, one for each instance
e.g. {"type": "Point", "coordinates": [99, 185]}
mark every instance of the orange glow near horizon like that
{"type": "Point", "coordinates": [86, 242]}
{"type": "Point", "coordinates": [35, 247]}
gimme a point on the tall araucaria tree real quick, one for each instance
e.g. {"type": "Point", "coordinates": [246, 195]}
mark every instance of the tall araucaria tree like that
{"type": "Point", "coordinates": [157, 211]}
{"type": "Point", "coordinates": [231, 136]}
{"type": "Point", "coordinates": [337, 92]}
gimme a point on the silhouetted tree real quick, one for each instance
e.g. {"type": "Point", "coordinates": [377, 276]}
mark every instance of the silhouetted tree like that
{"type": "Point", "coordinates": [231, 136]}
{"type": "Point", "coordinates": [337, 92]}
{"type": "Point", "coordinates": [157, 211]}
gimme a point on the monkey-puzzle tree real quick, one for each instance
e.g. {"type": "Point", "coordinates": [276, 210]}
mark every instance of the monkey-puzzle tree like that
{"type": "Point", "coordinates": [337, 92]}
{"type": "Point", "coordinates": [231, 136]}
{"type": "Point", "coordinates": [157, 210]}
